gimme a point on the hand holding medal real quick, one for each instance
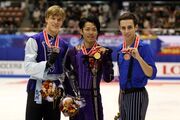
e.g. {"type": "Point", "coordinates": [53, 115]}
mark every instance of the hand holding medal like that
{"type": "Point", "coordinates": [128, 52]}
{"type": "Point", "coordinates": [53, 56]}
{"type": "Point", "coordinates": [134, 52]}
{"type": "Point", "coordinates": [55, 49]}
{"type": "Point", "coordinates": [131, 52]}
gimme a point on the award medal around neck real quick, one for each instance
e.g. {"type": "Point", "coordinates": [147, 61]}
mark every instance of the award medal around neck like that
{"type": "Point", "coordinates": [93, 52]}
{"type": "Point", "coordinates": [47, 39]}
{"type": "Point", "coordinates": [97, 55]}
{"type": "Point", "coordinates": [127, 55]}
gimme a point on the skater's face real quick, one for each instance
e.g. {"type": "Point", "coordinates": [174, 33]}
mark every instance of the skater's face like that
{"type": "Point", "coordinates": [53, 24]}
{"type": "Point", "coordinates": [128, 29]}
{"type": "Point", "coordinates": [89, 32]}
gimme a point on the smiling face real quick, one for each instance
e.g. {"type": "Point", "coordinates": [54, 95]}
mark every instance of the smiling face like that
{"type": "Point", "coordinates": [89, 32]}
{"type": "Point", "coordinates": [53, 24]}
{"type": "Point", "coordinates": [128, 29]}
{"type": "Point", "coordinates": [54, 18]}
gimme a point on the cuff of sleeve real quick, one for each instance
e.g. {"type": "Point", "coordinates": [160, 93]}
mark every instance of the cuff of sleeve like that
{"type": "Point", "coordinates": [153, 74]}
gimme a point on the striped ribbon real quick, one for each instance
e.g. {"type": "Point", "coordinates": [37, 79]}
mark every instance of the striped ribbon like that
{"type": "Point", "coordinates": [92, 51]}
{"type": "Point", "coordinates": [124, 50]}
{"type": "Point", "coordinates": [47, 39]}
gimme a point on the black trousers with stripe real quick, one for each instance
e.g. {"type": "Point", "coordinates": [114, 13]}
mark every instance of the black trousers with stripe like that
{"type": "Point", "coordinates": [133, 105]}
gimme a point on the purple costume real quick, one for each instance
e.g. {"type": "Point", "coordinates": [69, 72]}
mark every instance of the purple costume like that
{"type": "Point", "coordinates": [89, 85]}
{"type": "Point", "coordinates": [36, 55]}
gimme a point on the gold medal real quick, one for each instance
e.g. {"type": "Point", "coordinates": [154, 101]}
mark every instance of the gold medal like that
{"type": "Point", "coordinates": [127, 56]}
{"type": "Point", "coordinates": [97, 55]}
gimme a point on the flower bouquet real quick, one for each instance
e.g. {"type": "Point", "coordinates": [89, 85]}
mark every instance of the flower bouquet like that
{"type": "Point", "coordinates": [50, 91]}
{"type": "Point", "coordinates": [70, 105]}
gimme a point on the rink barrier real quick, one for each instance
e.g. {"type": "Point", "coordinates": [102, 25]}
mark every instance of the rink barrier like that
{"type": "Point", "coordinates": [166, 70]}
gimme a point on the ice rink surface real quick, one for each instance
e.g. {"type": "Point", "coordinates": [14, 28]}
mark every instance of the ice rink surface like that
{"type": "Point", "coordinates": [164, 99]}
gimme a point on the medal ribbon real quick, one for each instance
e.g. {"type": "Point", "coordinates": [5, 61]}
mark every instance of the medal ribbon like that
{"type": "Point", "coordinates": [124, 50]}
{"type": "Point", "coordinates": [47, 39]}
{"type": "Point", "coordinates": [92, 51]}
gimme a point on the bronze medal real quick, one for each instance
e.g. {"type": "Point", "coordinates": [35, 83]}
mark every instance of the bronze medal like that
{"type": "Point", "coordinates": [127, 56]}
{"type": "Point", "coordinates": [97, 55]}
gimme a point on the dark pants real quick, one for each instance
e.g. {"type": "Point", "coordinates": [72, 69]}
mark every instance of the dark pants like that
{"type": "Point", "coordinates": [38, 111]}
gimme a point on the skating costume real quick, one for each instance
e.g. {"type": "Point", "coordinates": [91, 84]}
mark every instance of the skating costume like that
{"type": "Point", "coordinates": [133, 95]}
{"type": "Point", "coordinates": [88, 83]}
{"type": "Point", "coordinates": [36, 55]}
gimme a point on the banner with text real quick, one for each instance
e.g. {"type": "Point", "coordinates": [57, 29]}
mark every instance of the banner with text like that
{"type": "Point", "coordinates": [166, 70]}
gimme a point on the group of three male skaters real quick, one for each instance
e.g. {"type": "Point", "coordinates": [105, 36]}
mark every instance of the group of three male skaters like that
{"type": "Point", "coordinates": [48, 57]}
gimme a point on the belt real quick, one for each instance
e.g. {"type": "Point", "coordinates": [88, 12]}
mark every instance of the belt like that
{"type": "Point", "coordinates": [131, 90]}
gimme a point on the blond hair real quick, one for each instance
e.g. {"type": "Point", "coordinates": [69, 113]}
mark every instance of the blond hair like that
{"type": "Point", "coordinates": [55, 10]}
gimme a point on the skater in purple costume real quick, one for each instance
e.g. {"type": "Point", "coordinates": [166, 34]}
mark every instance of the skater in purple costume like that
{"type": "Point", "coordinates": [44, 53]}
{"type": "Point", "coordinates": [90, 62]}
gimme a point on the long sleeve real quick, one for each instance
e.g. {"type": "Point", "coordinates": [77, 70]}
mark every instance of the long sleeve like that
{"type": "Point", "coordinates": [31, 66]}
{"type": "Point", "coordinates": [108, 72]}
{"type": "Point", "coordinates": [70, 74]}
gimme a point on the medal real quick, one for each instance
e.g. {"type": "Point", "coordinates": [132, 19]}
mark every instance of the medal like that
{"type": "Point", "coordinates": [127, 56]}
{"type": "Point", "coordinates": [136, 44]}
{"type": "Point", "coordinates": [91, 52]}
{"type": "Point", "coordinates": [97, 55]}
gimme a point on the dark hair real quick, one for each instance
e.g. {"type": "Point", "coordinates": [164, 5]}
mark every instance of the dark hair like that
{"type": "Point", "coordinates": [92, 19]}
{"type": "Point", "coordinates": [127, 16]}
